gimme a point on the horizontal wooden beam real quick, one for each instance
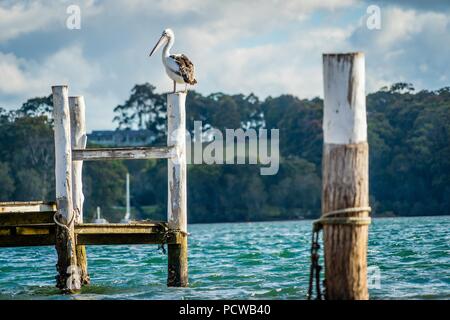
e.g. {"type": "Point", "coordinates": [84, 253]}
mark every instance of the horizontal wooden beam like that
{"type": "Point", "coordinates": [122, 153]}
{"type": "Point", "coordinates": [36, 235]}
{"type": "Point", "coordinates": [119, 228]}
{"type": "Point", "coordinates": [115, 233]}
{"type": "Point", "coordinates": [17, 219]}
{"type": "Point", "coordinates": [27, 240]}
{"type": "Point", "coordinates": [117, 239]}
{"type": "Point", "coordinates": [27, 206]}
{"type": "Point", "coordinates": [90, 234]}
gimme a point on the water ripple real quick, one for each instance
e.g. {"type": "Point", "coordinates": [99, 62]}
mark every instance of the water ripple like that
{"type": "Point", "coordinates": [266, 260]}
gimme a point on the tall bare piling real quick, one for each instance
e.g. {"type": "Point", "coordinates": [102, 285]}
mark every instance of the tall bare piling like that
{"type": "Point", "coordinates": [68, 276]}
{"type": "Point", "coordinates": [176, 206]}
{"type": "Point", "coordinates": [345, 192]}
{"type": "Point", "coordinates": [78, 141]}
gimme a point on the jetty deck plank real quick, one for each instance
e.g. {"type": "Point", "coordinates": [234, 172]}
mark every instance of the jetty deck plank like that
{"type": "Point", "coordinates": [27, 206]}
{"type": "Point", "coordinates": [17, 219]}
{"type": "Point", "coordinates": [26, 213]}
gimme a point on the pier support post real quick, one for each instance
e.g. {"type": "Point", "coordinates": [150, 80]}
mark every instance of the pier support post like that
{"type": "Point", "coordinates": [78, 141]}
{"type": "Point", "coordinates": [176, 207]}
{"type": "Point", "coordinates": [345, 192]}
{"type": "Point", "coordinates": [68, 276]}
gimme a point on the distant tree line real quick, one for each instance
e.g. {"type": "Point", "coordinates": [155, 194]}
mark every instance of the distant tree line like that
{"type": "Point", "coordinates": [409, 138]}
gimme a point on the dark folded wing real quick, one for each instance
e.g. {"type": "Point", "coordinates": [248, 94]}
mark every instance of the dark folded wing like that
{"type": "Point", "coordinates": [185, 68]}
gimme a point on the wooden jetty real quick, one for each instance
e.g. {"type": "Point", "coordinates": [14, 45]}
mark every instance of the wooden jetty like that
{"type": "Point", "coordinates": [24, 224]}
{"type": "Point", "coordinates": [60, 223]}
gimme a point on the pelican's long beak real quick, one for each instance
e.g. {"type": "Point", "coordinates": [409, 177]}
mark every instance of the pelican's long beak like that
{"type": "Point", "coordinates": [158, 44]}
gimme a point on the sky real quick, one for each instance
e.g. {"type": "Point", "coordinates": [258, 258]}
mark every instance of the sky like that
{"type": "Point", "coordinates": [268, 47]}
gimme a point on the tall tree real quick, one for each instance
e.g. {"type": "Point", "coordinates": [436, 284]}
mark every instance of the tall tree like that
{"type": "Point", "coordinates": [144, 109]}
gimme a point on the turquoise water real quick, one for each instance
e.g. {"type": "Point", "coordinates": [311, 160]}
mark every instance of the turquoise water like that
{"type": "Point", "coordinates": [264, 260]}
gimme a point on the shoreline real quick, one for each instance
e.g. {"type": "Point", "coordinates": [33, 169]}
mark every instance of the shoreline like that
{"type": "Point", "coordinates": [312, 219]}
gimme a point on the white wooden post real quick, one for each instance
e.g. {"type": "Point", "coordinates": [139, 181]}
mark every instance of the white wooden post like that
{"type": "Point", "coordinates": [78, 141]}
{"type": "Point", "coordinates": [176, 206]}
{"type": "Point", "coordinates": [128, 209]}
{"type": "Point", "coordinates": [68, 277]}
{"type": "Point", "coordinates": [344, 118]}
{"type": "Point", "coordinates": [126, 218]}
{"type": "Point", "coordinates": [345, 177]}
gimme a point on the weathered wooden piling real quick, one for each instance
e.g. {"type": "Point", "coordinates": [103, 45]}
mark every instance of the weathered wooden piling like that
{"type": "Point", "coordinates": [68, 277]}
{"type": "Point", "coordinates": [345, 193]}
{"type": "Point", "coordinates": [78, 141]}
{"type": "Point", "coordinates": [177, 211]}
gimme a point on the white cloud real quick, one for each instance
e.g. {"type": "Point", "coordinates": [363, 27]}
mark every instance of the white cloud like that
{"type": "Point", "coordinates": [266, 47]}
{"type": "Point", "coordinates": [12, 79]}
{"type": "Point", "coordinates": [401, 25]}
{"type": "Point", "coordinates": [412, 46]}
{"type": "Point", "coordinates": [35, 78]}
{"type": "Point", "coordinates": [293, 66]}
{"type": "Point", "coordinates": [21, 18]}
{"type": "Point", "coordinates": [28, 78]}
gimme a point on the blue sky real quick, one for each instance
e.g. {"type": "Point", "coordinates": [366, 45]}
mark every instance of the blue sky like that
{"type": "Point", "coordinates": [267, 47]}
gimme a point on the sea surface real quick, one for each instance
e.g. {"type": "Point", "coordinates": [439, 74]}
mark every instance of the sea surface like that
{"type": "Point", "coordinates": [408, 258]}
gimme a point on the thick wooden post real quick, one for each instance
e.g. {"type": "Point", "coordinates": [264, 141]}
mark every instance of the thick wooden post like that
{"type": "Point", "coordinates": [68, 277]}
{"type": "Point", "coordinates": [78, 141]}
{"type": "Point", "coordinates": [176, 206]}
{"type": "Point", "coordinates": [345, 177]}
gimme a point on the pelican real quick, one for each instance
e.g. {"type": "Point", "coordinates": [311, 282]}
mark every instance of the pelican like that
{"type": "Point", "coordinates": [178, 67]}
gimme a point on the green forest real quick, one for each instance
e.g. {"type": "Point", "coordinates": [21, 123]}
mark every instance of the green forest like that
{"type": "Point", "coordinates": [409, 139]}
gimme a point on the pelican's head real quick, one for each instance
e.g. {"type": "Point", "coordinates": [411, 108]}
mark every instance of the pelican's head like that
{"type": "Point", "coordinates": [168, 33]}
{"type": "Point", "coordinates": [165, 37]}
